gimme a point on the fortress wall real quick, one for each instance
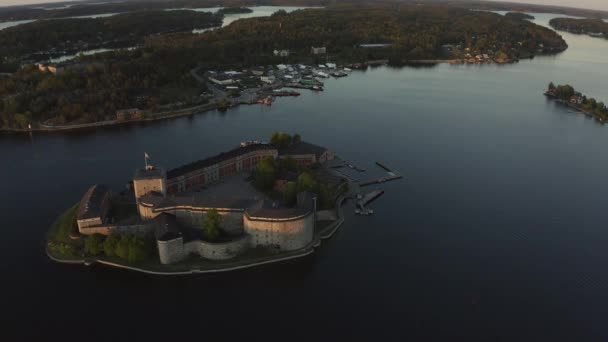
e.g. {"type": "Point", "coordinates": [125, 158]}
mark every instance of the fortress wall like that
{"type": "Point", "coordinates": [146, 212]}
{"type": "Point", "coordinates": [327, 215]}
{"type": "Point", "coordinates": [286, 234]}
{"type": "Point", "coordinates": [219, 251]}
{"type": "Point", "coordinates": [171, 251]}
{"type": "Point", "coordinates": [140, 230]}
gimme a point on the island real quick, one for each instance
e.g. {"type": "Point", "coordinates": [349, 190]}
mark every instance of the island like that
{"type": "Point", "coordinates": [567, 95]}
{"type": "Point", "coordinates": [255, 204]}
{"type": "Point", "coordinates": [234, 10]}
{"type": "Point", "coordinates": [519, 15]}
{"type": "Point", "coordinates": [45, 39]}
{"type": "Point", "coordinates": [592, 27]}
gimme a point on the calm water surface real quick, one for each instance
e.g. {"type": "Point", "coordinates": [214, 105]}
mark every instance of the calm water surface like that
{"type": "Point", "coordinates": [498, 233]}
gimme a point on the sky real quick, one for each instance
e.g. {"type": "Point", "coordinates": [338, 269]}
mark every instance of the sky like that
{"type": "Point", "coordinates": [594, 4]}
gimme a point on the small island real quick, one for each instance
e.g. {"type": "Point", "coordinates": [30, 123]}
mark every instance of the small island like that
{"type": "Point", "coordinates": [519, 15]}
{"type": "Point", "coordinates": [255, 204]}
{"type": "Point", "coordinates": [592, 27]}
{"type": "Point", "coordinates": [567, 95]}
{"type": "Point", "coordinates": [234, 10]}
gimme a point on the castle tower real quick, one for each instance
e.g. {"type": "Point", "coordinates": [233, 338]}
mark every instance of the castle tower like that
{"type": "Point", "coordinates": [146, 181]}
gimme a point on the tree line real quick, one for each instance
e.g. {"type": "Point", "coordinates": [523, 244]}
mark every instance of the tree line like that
{"type": "Point", "coordinates": [567, 93]}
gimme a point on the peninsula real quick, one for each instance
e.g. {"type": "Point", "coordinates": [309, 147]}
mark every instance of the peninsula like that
{"type": "Point", "coordinates": [592, 27]}
{"type": "Point", "coordinates": [165, 73]}
{"type": "Point", "coordinates": [567, 95]}
{"type": "Point", "coordinates": [255, 204]}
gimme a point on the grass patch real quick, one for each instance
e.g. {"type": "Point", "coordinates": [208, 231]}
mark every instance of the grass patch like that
{"type": "Point", "coordinates": [59, 244]}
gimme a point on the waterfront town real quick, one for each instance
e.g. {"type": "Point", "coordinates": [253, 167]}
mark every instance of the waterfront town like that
{"type": "Point", "coordinates": [254, 204]}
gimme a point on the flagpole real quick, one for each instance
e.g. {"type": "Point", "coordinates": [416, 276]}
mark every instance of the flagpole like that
{"type": "Point", "coordinates": [146, 159]}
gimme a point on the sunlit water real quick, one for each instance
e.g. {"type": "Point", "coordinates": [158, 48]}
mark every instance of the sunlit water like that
{"type": "Point", "coordinates": [497, 233]}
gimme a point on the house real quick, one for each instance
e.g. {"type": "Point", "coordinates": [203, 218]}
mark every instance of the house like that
{"type": "Point", "coordinates": [52, 68]}
{"type": "Point", "coordinates": [318, 50]}
{"type": "Point", "coordinates": [306, 154]}
{"type": "Point", "coordinates": [267, 79]}
{"type": "Point", "coordinates": [221, 79]}
{"type": "Point", "coordinates": [94, 207]}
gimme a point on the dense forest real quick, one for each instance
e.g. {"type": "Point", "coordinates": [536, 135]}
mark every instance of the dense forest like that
{"type": "Point", "coordinates": [84, 8]}
{"type": "Point", "coordinates": [159, 72]}
{"type": "Point", "coordinates": [594, 27]}
{"type": "Point", "coordinates": [414, 32]}
{"type": "Point", "coordinates": [52, 36]}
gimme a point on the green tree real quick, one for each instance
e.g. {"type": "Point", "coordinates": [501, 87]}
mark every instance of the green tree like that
{"type": "Point", "coordinates": [211, 225]}
{"type": "Point", "coordinates": [280, 139]}
{"type": "Point", "coordinates": [290, 194]}
{"type": "Point", "coordinates": [137, 250]}
{"type": "Point", "coordinates": [94, 244]}
{"type": "Point", "coordinates": [306, 182]}
{"type": "Point", "coordinates": [110, 243]}
{"type": "Point", "coordinates": [122, 247]}
{"type": "Point", "coordinates": [265, 174]}
{"type": "Point", "coordinates": [288, 164]}
{"type": "Point", "coordinates": [551, 86]}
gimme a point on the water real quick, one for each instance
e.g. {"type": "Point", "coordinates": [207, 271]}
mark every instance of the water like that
{"type": "Point", "coordinates": [497, 233]}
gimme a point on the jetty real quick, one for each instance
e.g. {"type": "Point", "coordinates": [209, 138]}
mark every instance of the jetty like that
{"type": "Point", "coordinates": [364, 200]}
{"type": "Point", "coordinates": [390, 176]}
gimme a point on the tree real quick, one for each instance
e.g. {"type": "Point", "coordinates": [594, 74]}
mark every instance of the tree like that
{"type": "Point", "coordinates": [265, 174]}
{"type": "Point", "coordinates": [306, 182]}
{"type": "Point", "coordinates": [290, 194]}
{"type": "Point", "coordinates": [288, 164]}
{"type": "Point", "coordinates": [94, 244]}
{"type": "Point", "coordinates": [122, 247]}
{"type": "Point", "coordinates": [137, 250]}
{"type": "Point", "coordinates": [551, 86]}
{"type": "Point", "coordinates": [280, 139]}
{"type": "Point", "coordinates": [211, 225]}
{"type": "Point", "coordinates": [109, 245]}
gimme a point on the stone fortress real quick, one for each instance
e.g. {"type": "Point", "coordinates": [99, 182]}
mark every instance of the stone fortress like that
{"type": "Point", "coordinates": [172, 205]}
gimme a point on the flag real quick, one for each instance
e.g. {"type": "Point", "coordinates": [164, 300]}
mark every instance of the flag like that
{"type": "Point", "coordinates": [146, 155]}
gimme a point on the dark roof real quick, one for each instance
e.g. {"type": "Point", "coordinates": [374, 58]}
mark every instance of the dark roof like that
{"type": "Point", "coordinates": [166, 227]}
{"type": "Point", "coordinates": [303, 147]}
{"type": "Point", "coordinates": [153, 173]}
{"type": "Point", "coordinates": [90, 204]}
{"type": "Point", "coordinates": [269, 209]}
{"type": "Point", "coordinates": [197, 165]}
{"type": "Point", "coordinates": [197, 200]}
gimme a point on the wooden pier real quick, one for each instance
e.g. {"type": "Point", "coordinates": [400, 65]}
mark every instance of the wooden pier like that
{"type": "Point", "coordinates": [391, 176]}
{"type": "Point", "coordinates": [365, 200]}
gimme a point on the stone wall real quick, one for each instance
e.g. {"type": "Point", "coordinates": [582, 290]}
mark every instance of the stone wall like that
{"type": "Point", "coordinates": [171, 251]}
{"type": "Point", "coordinates": [285, 234]}
{"type": "Point", "coordinates": [218, 251]}
{"type": "Point", "coordinates": [140, 230]}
